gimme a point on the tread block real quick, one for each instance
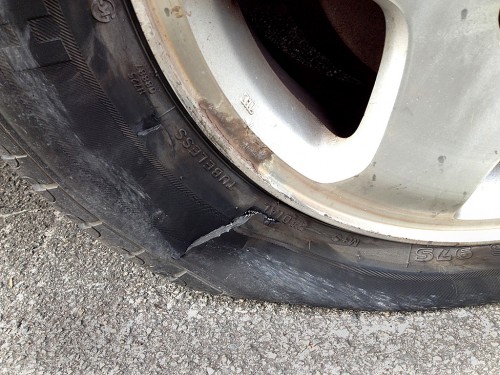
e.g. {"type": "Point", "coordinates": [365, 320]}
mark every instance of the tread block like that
{"type": "Point", "coordinates": [8, 37]}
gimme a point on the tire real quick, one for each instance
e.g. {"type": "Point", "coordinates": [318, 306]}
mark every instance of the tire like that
{"type": "Point", "coordinates": [128, 164]}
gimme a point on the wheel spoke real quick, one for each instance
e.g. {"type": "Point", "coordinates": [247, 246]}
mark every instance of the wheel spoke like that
{"type": "Point", "coordinates": [443, 137]}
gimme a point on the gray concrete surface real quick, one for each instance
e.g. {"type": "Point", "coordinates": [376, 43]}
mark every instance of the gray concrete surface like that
{"type": "Point", "coordinates": [69, 305]}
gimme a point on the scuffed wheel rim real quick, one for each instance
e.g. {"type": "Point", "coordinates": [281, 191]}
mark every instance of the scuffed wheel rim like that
{"type": "Point", "coordinates": [422, 164]}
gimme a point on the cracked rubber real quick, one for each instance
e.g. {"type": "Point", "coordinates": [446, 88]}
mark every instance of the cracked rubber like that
{"type": "Point", "coordinates": [87, 118]}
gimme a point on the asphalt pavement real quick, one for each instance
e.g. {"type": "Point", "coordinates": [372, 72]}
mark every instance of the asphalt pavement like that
{"type": "Point", "coordinates": [69, 305]}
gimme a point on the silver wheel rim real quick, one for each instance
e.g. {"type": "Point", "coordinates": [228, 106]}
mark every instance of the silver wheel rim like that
{"type": "Point", "coordinates": [422, 166]}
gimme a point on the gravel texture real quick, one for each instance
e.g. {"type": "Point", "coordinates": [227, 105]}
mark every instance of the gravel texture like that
{"type": "Point", "coordinates": [70, 305]}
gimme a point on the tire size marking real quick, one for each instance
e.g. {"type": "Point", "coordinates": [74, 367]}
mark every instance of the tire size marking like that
{"type": "Point", "coordinates": [203, 160]}
{"type": "Point", "coordinates": [142, 81]}
{"type": "Point", "coordinates": [495, 250]}
{"type": "Point", "coordinates": [428, 254]}
{"type": "Point", "coordinates": [281, 216]}
{"type": "Point", "coordinates": [346, 240]}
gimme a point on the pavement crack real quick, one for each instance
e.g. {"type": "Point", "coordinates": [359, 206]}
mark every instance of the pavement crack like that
{"type": "Point", "coordinates": [5, 216]}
